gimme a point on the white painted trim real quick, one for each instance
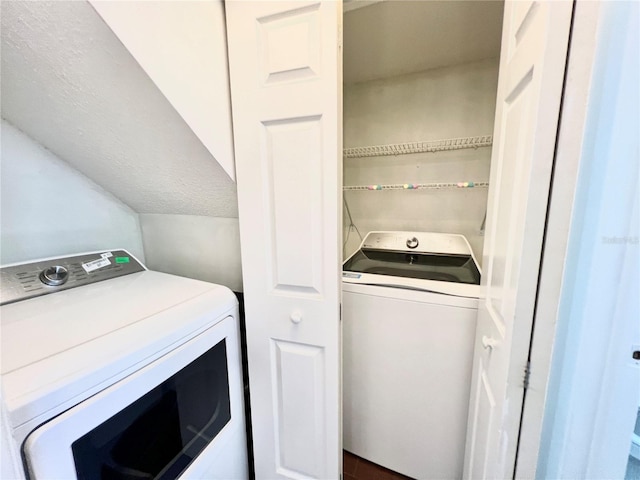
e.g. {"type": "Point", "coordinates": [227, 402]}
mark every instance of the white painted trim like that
{"type": "Point", "coordinates": [581, 98]}
{"type": "Point", "coordinates": [570, 141]}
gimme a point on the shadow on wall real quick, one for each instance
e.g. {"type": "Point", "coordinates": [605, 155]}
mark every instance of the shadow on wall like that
{"type": "Point", "coordinates": [50, 209]}
{"type": "Point", "coordinates": [204, 248]}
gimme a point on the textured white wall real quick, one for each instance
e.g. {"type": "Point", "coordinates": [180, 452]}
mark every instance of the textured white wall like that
{"type": "Point", "coordinates": [448, 102]}
{"type": "Point", "coordinates": [70, 84]}
{"type": "Point", "coordinates": [49, 209]}
{"type": "Point", "coordinates": [205, 248]}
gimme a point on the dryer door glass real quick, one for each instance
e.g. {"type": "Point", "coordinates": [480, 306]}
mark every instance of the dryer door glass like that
{"type": "Point", "coordinates": [162, 432]}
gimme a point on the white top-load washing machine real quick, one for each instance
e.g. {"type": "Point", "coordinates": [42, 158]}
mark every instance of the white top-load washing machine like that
{"type": "Point", "coordinates": [116, 372]}
{"type": "Point", "coordinates": [409, 319]}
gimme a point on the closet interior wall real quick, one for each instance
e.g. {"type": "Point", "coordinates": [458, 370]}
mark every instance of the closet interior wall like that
{"type": "Point", "coordinates": [442, 103]}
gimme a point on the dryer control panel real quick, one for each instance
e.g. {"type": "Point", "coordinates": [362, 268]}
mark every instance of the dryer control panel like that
{"type": "Point", "coordinates": [28, 280]}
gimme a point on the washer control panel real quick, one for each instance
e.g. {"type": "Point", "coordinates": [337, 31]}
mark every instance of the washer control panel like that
{"type": "Point", "coordinates": [419, 242]}
{"type": "Point", "coordinates": [28, 280]}
{"type": "Point", "coordinates": [412, 242]}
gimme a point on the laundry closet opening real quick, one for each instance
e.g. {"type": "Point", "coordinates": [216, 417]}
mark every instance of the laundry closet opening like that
{"type": "Point", "coordinates": [419, 93]}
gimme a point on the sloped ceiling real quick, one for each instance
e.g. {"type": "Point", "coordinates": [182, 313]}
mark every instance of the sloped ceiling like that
{"type": "Point", "coordinates": [69, 83]}
{"type": "Point", "coordinates": [182, 46]}
{"type": "Point", "coordinates": [396, 37]}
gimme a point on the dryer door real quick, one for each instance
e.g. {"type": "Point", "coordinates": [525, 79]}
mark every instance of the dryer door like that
{"type": "Point", "coordinates": [153, 424]}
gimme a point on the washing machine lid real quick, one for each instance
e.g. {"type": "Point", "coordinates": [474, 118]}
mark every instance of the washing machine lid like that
{"type": "Point", "coordinates": [438, 267]}
{"type": "Point", "coordinates": [417, 260]}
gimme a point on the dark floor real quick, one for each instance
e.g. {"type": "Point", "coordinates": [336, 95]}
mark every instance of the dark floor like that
{"type": "Point", "coordinates": [356, 468]}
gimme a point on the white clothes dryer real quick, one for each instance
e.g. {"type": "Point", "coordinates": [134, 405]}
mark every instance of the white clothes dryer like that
{"type": "Point", "coordinates": [409, 319]}
{"type": "Point", "coordinates": [113, 371]}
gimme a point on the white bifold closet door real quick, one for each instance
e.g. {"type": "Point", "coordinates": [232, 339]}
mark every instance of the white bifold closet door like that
{"type": "Point", "coordinates": [532, 62]}
{"type": "Point", "coordinates": [286, 88]}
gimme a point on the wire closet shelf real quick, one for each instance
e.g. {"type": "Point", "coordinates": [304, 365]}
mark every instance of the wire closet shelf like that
{"type": "Point", "coordinates": [419, 147]}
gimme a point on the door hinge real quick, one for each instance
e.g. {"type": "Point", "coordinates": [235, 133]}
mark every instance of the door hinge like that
{"type": "Point", "coordinates": [340, 312]}
{"type": "Point", "coordinates": [527, 375]}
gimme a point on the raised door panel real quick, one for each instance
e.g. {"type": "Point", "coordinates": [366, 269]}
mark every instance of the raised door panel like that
{"type": "Point", "coordinates": [484, 409]}
{"type": "Point", "coordinates": [300, 428]}
{"type": "Point", "coordinates": [291, 154]}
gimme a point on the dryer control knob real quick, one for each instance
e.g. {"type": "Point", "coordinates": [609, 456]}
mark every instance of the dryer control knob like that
{"type": "Point", "coordinates": [54, 276]}
{"type": "Point", "coordinates": [412, 242]}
